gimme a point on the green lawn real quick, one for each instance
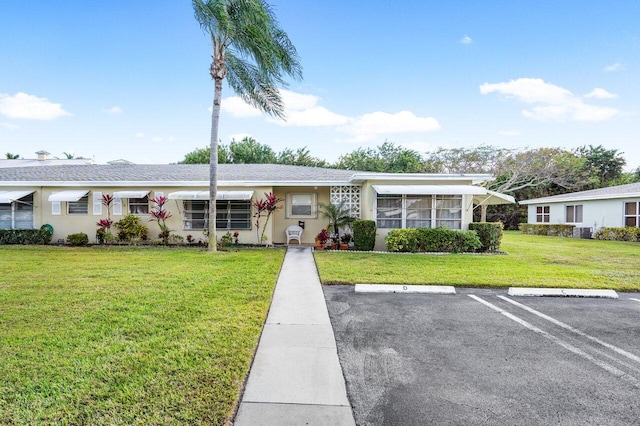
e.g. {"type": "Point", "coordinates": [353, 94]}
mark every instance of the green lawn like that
{"type": "Point", "coordinates": [128, 336]}
{"type": "Point", "coordinates": [532, 261]}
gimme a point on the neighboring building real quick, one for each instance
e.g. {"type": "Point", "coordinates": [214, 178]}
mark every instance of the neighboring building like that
{"type": "Point", "coordinates": [69, 197]}
{"type": "Point", "coordinates": [616, 206]}
{"type": "Point", "coordinates": [43, 160]}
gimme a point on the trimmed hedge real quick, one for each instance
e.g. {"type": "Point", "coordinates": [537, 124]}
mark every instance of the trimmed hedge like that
{"type": "Point", "coordinates": [439, 240]}
{"type": "Point", "coordinates": [25, 236]}
{"type": "Point", "coordinates": [544, 229]}
{"type": "Point", "coordinates": [79, 239]}
{"type": "Point", "coordinates": [364, 234]}
{"type": "Point", "coordinates": [618, 234]}
{"type": "Point", "coordinates": [490, 234]}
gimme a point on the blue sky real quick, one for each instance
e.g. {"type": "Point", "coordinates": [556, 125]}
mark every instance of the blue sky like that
{"type": "Point", "coordinates": [129, 80]}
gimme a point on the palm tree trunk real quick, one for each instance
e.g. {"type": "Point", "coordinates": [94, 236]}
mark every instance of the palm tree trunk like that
{"type": "Point", "coordinates": [213, 165]}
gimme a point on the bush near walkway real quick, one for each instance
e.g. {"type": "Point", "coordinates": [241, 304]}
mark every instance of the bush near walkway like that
{"type": "Point", "coordinates": [128, 336]}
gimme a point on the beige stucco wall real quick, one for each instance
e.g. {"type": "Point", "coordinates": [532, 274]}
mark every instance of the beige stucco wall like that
{"type": "Point", "coordinates": [312, 225]}
{"type": "Point", "coordinates": [65, 224]}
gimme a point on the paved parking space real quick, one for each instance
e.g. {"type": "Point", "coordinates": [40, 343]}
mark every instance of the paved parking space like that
{"type": "Point", "coordinates": [479, 358]}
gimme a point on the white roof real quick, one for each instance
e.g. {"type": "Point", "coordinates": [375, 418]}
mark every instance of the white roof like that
{"type": "Point", "coordinates": [7, 197]}
{"type": "Point", "coordinates": [70, 195]}
{"type": "Point", "coordinates": [631, 190]}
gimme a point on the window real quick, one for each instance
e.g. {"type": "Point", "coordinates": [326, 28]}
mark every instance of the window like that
{"type": "Point", "coordinates": [419, 211]}
{"type": "Point", "coordinates": [78, 207]}
{"type": "Point", "coordinates": [230, 214]}
{"type": "Point", "coordinates": [139, 206]}
{"type": "Point", "coordinates": [574, 214]}
{"type": "Point", "coordinates": [448, 211]}
{"type": "Point", "coordinates": [233, 214]}
{"type": "Point", "coordinates": [301, 206]}
{"type": "Point", "coordinates": [17, 214]}
{"type": "Point", "coordinates": [542, 214]}
{"type": "Point", "coordinates": [632, 214]}
{"type": "Point", "coordinates": [195, 215]}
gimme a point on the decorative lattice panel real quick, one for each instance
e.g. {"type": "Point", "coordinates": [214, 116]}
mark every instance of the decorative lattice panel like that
{"type": "Point", "coordinates": [351, 196]}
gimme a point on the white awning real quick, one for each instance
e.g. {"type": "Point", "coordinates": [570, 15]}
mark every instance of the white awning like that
{"type": "Point", "coordinates": [204, 195]}
{"type": "Point", "coordinates": [7, 197]}
{"type": "Point", "coordinates": [130, 194]}
{"type": "Point", "coordinates": [493, 198]}
{"type": "Point", "coordinates": [429, 189]}
{"type": "Point", "coordinates": [71, 195]}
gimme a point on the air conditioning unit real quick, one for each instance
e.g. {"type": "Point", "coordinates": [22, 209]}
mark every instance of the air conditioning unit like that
{"type": "Point", "coordinates": [582, 233]}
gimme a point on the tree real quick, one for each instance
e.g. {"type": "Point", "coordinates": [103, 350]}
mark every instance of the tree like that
{"type": "Point", "coordinates": [301, 157]}
{"type": "Point", "coordinates": [388, 157]}
{"type": "Point", "coordinates": [11, 156]}
{"type": "Point", "coordinates": [604, 166]}
{"type": "Point", "coordinates": [253, 53]}
{"type": "Point", "coordinates": [203, 155]}
{"type": "Point", "coordinates": [249, 151]}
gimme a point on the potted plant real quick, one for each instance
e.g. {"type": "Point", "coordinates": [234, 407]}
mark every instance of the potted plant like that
{"type": "Point", "coordinates": [321, 239]}
{"type": "Point", "coordinates": [345, 239]}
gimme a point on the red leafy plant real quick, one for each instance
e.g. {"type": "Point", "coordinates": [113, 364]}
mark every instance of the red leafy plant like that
{"type": "Point", "coordinates": [264, 209]}
{"type": "Point", "coordinates": [160, 214]}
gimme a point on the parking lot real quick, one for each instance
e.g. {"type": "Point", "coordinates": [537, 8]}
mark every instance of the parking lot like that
{"type": "Point", "coordinates": [482, 357]}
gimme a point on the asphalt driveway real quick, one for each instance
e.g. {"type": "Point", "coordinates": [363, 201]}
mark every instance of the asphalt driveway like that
{"type": "Point", "coordinates": [477, 358]}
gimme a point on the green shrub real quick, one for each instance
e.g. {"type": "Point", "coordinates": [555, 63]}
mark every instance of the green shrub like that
{"type": "Point", "coordinates": [364, 234]}
{"type": "Point", "coordinates": [618, 234]}
{"type": "Point", "coordinates": [432, 240]}
{"type": "Point", "coordinates": [226, 240]}
{"type": "Point", "coordinates": [130, 229]}
{"type": "Point", "coordinates": [490, 234]}
{"type": "Point", "coordinates": [26, 236]}
{"type": "Point", "coordinates": [544, 229]}
{"type": "Point", "coordinates": [79, 239]}
{"type": "Point", "coordinates": [402, 240]}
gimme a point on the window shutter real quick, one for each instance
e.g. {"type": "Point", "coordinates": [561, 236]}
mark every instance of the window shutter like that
{"type": "Point", "coordinates": [55, 208]}
{"type": "Point", "coordinates": [97, 203]}
{"type": "Point", "coordinates": [117, 206]}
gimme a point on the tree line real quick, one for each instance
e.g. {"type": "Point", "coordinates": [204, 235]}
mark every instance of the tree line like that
{"type": "Point", "coordinates": [523, 173]}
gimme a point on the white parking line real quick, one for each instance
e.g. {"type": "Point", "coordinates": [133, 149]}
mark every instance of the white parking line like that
{"type": "Point", "coordinates": [574, 330]}
{"type": "Point", "coordinates": [635, 300]}
{"type": "Point", "coordinates": [610, 368]}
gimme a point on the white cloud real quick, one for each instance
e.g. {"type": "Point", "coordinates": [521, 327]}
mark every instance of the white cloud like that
{"type": "Point", "coordinates": [23, 105]}
{"type": "Point", "coordinates": [509, 133]}
{"type": "Point", "coordinates": [9, 126]}
{"type": "Point", "coordinates": [113, 110]}
{"type": "Point", "coordinates": [139, 135]}
{"type": "Point", "coordinates": [466, 40]}
{"type": "Point", "coordinates": [368, 126]}
{"type": "Point", "coordinates": [613, 67]}
{"type": "Point", "coordinates": [555, 103]}
{"type": "Point", "coordinates": [599, 93]}
{"type": "Point", "coordinates": [236, 107]}
{"type": "Point", "coordinates": [239, 136]}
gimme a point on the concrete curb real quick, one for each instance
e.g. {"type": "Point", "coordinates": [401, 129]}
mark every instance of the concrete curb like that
{"type": "Point", "coordinates": [400, 288]}
{"type": "Point", "coordinates": [561, 292]}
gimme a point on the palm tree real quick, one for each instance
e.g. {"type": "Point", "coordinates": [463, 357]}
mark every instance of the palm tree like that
{"type": "Point", "coordinates": [11, 156]}
{"type": "Point", "coordinates": [338, 214]}
{"type": "Point", "coordinates": [253, 53]}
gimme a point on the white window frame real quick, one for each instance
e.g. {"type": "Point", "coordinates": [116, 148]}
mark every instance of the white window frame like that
{"type": "Point", "coordinates": [188, 211]}
{"type": "Point", "coordinates": [543, 212]}
{"type": "Point", "coordinates": [82, 202]}
{"type": "Point", "coordinates": [635, 216]}
{"type": "Point", "coordinates": [434, 219]}
{"type": "Point", "coordinates": [224, 207]}
{"type": "Point", "coordinates": [313, 197]}
{"type": "Point", "coordinates": [573, 213]}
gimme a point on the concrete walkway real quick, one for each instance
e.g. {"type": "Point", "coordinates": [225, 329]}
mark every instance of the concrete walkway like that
{"type": "Point", "coordinates": [296, 378]}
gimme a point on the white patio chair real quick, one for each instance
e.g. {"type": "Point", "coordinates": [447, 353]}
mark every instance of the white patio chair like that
{"type": "Point", "coordinates": [294, 232]}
